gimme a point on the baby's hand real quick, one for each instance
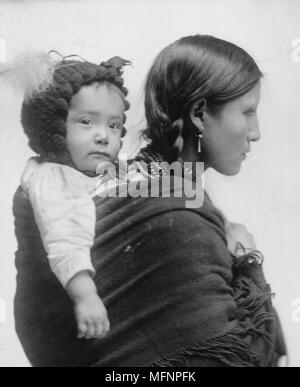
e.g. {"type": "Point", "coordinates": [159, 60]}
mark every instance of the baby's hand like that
{"type": "Point", "coordinates": [91, 317]}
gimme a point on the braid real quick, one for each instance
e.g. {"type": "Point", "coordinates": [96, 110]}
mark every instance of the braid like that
{"type": "Point", "coordinates": [168, 145]}
{"type": "Point", "coordinates": [165, 130]}
{"type": "Point", "coordinates": [44, 116]}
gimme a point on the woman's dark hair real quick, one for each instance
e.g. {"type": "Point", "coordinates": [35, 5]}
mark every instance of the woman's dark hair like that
{"type": "Point", "coordinates": [44, 116]}
{"type": "Point", "coordinates": [191, 69]}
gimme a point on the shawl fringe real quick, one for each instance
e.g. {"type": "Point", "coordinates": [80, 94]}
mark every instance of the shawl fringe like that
{"type": "Point", "coordinates": [232, 348]}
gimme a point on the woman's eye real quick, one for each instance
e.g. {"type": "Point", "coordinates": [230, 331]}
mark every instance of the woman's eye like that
{"type": "Point", "coordinates": [249, 113]}
{"type": "Point", "coordinates": [86, 122]}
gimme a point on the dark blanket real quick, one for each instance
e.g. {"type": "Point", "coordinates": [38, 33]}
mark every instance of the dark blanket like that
{"type": "Point", "coordinates": [174, 295]}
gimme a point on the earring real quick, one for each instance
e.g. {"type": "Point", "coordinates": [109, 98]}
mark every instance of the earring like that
{"type": "Point", "coordinates": [199, 136]}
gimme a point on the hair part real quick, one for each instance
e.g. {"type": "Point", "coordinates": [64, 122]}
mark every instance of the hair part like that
{"type": "Point", "coordinates": [193, 68]}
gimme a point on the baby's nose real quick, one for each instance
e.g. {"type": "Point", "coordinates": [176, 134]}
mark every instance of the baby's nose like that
{"type": "Point", "coordinates": [101, 136]}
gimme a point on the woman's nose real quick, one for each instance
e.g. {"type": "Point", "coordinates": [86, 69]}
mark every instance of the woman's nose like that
{"type": "Point", "coordinates": [101, 136]}
{"type": "Point", "coordinates": [254, 133]}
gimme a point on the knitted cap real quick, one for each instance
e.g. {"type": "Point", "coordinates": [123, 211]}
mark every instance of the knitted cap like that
{"type": "Point", "coordinates": [44, 116]}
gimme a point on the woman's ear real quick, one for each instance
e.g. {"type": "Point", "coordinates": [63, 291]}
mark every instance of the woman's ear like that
{"type": "Point", "coordinates": [197, 114]}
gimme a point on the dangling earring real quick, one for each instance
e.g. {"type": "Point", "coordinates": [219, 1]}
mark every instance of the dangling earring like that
{"type": "Point", "coordinates": [199, 136]}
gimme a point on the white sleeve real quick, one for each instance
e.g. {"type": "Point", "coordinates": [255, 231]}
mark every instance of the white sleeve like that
{"type": "Point", "coordinates": [65, 214]}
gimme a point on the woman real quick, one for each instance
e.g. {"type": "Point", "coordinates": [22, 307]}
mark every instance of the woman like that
{"type": "Point", "coordinates": [178, 290]}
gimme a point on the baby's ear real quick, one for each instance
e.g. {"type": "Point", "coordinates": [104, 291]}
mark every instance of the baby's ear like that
{"type": "Point", "coordinates": [196, 113]}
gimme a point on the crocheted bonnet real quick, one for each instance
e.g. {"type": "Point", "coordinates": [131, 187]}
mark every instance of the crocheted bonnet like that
{"type": "Point", "coordinates": [44, 115]}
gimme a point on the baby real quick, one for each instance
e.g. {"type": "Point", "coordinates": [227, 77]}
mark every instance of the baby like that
{"type": "Point", "coordinates": [74, 124]}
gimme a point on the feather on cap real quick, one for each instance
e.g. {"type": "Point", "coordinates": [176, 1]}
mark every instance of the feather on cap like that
{"type": "Point", "coordinates": [31, 72]}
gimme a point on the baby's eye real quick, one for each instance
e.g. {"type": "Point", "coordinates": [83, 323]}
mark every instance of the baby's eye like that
{"type": "Point", "coordinates": [115, 125]}
{"type": "Point", "coordinates": [86, 122]}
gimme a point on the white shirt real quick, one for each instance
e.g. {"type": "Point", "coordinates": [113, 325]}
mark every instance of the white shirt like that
{"type": "Point", "coordinates": [61, 198]}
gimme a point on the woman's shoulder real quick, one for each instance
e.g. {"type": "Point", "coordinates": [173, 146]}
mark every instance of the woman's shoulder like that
{"type": "Point", "coordinates": [195, 229]}
{"type": "Point", "coordinates": [22, 211]}
{"type": "Point", "coordinates": [20, 198]}
{"type": "Point", "coordinates": [206, 218]}
{"type": "Point", "coordinates": [158, 213]}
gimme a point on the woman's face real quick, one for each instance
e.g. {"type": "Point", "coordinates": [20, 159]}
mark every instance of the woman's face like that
{"type": "Point", "coordinates": [228, 135]}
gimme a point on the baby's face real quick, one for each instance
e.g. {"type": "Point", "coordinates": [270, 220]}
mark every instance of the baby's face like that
{"type": "Point", "coordinates": [94, 126]}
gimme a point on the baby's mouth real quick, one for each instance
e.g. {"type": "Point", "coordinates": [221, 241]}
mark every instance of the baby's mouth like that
{"type": "Point", "coordinates": [103, 155]}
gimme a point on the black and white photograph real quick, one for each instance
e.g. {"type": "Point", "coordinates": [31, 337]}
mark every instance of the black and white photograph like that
{"type": "Point", "coordinates": [150, 185]}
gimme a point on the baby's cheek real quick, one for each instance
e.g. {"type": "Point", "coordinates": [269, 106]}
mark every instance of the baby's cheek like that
{"type": "Point", "coordinates": [115, 155]}
{"type": "Point", "coordinates": [117, 146]}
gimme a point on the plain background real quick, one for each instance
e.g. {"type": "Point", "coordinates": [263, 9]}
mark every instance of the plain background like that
{"type": "Point", "coordinates": [264, 196]}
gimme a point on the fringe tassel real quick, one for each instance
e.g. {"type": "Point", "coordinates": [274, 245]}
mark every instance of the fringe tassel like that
{"type": "Point", "coordinates": [232, 348]}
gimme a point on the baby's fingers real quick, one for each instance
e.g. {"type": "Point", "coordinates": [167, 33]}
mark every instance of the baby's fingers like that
{"type": "Point", "coordinates": [81, 330]}
{"type": "Point", "coordinates": [102, 328]}
{"type": "Point", "coordinates": [100, 332]}
{"type": "Point", "coordinates": [91, 331]}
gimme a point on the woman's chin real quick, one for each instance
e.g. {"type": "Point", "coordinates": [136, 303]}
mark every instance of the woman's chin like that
{"type": "Point", "coordinates": [229, 170]}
